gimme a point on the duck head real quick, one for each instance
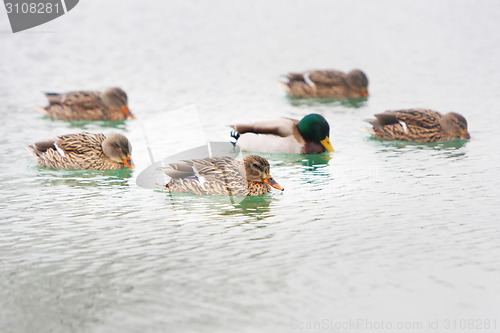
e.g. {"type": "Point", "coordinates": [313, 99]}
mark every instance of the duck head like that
{"type": "Point", "coordinates": [358, 79]}
{"type": "Point", "coordinates": [257, 170]}
{"type": "Point", "coordinates": [455, 125]}
{"type": "Point", "coordinates": [116, 97]}
{"type": "Point", "coordinates": [117, 148]}
{"type": "Point", "coordinates": [314, 127]}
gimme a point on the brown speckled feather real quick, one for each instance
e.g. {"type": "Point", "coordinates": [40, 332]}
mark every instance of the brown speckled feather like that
{"type": "Point", "coordinates": [418, 125]}
{"type": "Point", "coordinates": [212, 176]}
{"type": "Point", "coordinates": [419, 117]}
{"type": "Point", "coordinates": [322, 84]}
{"type": "Point", "coordinates": [81, 105]}
{"type": "Point", "coordinates": [74, 151]}
{"type": "Point", "coordinates": [411, 133]}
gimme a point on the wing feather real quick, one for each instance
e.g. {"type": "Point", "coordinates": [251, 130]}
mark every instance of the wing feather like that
{"type": "Point", "coordinates": [424, 118]}
{"type": "Point", "coordinates": [80, 143]}
{"type": "Point", "coordinates": [83, 99]}
{"type": "Point", "coordinates": [277, 126]}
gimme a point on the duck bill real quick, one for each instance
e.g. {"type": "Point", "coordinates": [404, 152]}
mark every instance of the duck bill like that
{"type": "Point", "coordinates": [364, 92]}
{"type": "Point", "coordinates": [465, 136]}
{"type": "Point", "coordinates": [326, 143]}
{"type": "Point", "coordinates": [128, 162]}
{"type": "Point", "coordinates": [271, 182]}
{"type": "Point", "coordinates": [126, 111]}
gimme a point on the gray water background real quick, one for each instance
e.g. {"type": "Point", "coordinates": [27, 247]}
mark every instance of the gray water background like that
{"type": "Point", "coordinates": [377, 231]}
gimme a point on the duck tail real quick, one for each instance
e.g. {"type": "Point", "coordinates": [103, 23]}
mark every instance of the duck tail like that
{"type": "Point", "coordinates": [284, 84]}
{"type": "Point", "coordinates": [41, 109]}
{"type": "Point", "coordinates": [54, 98]}
{"type": "Point", "coordinates": [374, 122]}
{"type": "Point", "coordinates": [38, 148]}
{"type": "Point", "coordinates": [284, 81]}
{"type": "Point", "coordinates": [387, 118]}
{"type": "Point", "coordinates": [368, 130]}
{"type": "Point", "coordinates": [32, 149]}
{"type": "Point", "coordinates": [235, 135]}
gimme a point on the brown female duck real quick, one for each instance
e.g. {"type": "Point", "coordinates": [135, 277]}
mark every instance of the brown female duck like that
{"type": "Point", "coordinates": [88, 105]}
{"type": "Point", "coordinates": [419, 125]}
{"type": "Point", "coordinates": [327, 84]}
{"type": "Point", "coordinates": [221, 176]}
{"type": "Point", "coordinates": [84, 151]}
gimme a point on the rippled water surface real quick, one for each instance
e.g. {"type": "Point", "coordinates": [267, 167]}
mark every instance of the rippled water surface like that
{"type": "Point", "coordinates": [407, 234]}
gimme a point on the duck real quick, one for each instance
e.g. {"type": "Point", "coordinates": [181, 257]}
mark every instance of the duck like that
{"type": "Point", "coordinates": [84, 151]}
{"type": "Point", "coordinates": [419, 125]}
{"type": "Point", "coordinates": [88, 105]}
{"type": "Point", "coordinates": [225, 176]}
{"type": "Point", "coordinates": [326, 84]}
{"type": "Point", "coordinates": [310, 135]}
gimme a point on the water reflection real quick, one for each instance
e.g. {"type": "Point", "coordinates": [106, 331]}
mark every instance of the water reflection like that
{"type": "Point", "coordinates": [308, 162]}
{"type": "Point", "coordinates": [314, 161]}
{"type": "Point", "coordinates": [301, 169]}
{"type": "Point", "coordinates": [256, 206]}
{"type": "Point", "coordinates": [449, 149]}
{"type": "Point", "coordinates": [192, 204]}
{"type": "Point", "coordinates": [347, 102]}
{"type": "Point", "coordinates": [86, 125]}
{"type": "Point", "coordinates": [92, 124]}
{"type": "Point", "coordinates": [79, 178]}
{"type": "Point", "coordinates": [445, 145]}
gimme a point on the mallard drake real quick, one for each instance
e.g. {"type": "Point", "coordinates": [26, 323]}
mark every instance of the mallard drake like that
{"type": "Point", "coordinates": [327, 84]}
{"type": "Point", "coordinates": [88, 105]}
{"type": "Point", "coordinates": [284, 135]}
{"type": "Point", "coordinates": [419, 125]}
{"type": "Point", "coordinates": [221, 176]}
{"type": "Point", "coordinates": [84, 151]}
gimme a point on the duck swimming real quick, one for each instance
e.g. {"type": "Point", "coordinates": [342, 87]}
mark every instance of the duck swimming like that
{"type": "Point", "coordinates": [327, 84]}
{"type": "Point", "coordinates": [88, 105]}
{"type": "Point", "coordinates": [84, 151]}
{"type": "Point", "coordinates": [419, 125]}
{"type": "Point", "coordinates": [310, 135]}
{"type": "Point", "coordinates": [221, 176]}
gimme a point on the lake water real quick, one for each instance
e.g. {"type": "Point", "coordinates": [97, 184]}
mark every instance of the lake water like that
{"type": "Point", "coordinates": [377, 233]}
